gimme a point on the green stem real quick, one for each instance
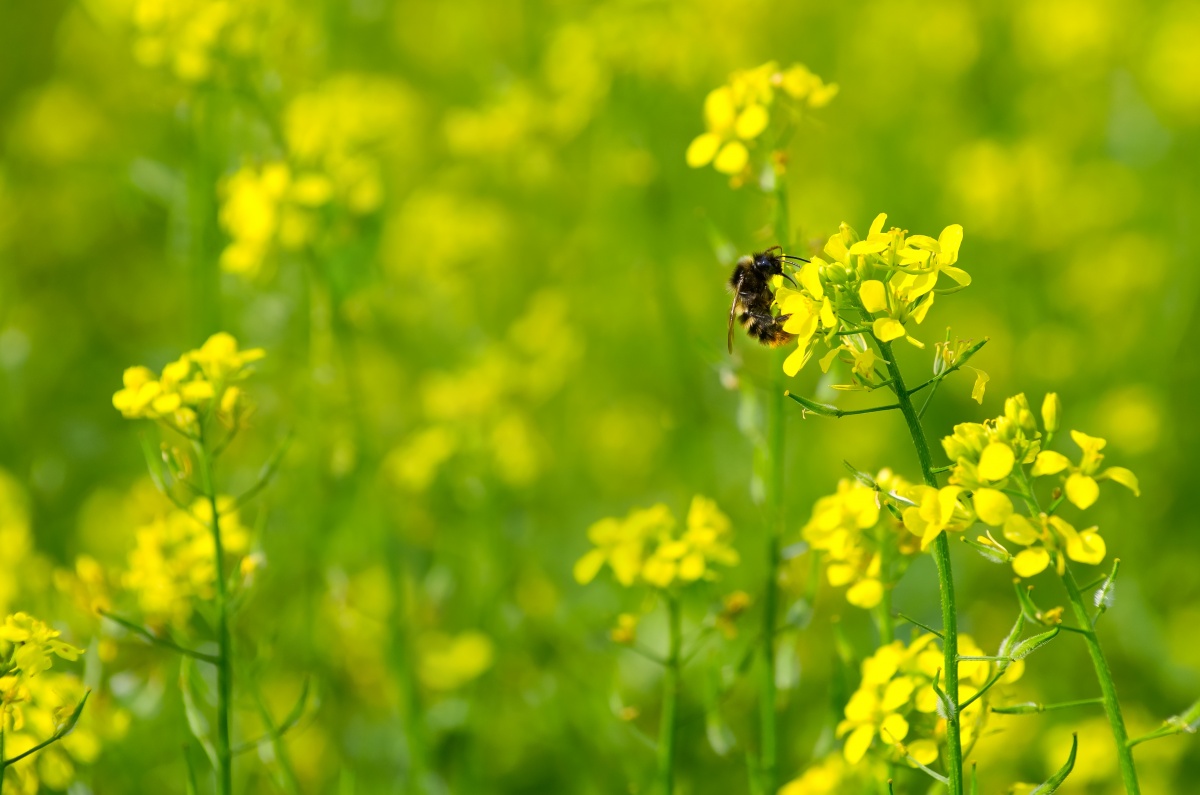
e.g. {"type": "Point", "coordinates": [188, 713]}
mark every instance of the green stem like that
{"type": "Point", "coordinates": [1108, 690]}
{"type": "Point", "coordinates": [941, 556]}
{"type": "Point", "coordinates": [224, 669]}
{"type": "Point", "coordinates": [670, 709]}
{"type": "Point", "coordinates": [768, 760]}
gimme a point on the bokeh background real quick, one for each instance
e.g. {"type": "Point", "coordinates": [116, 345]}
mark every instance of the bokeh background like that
{"type": "Point", "coordinates": [524, 332]}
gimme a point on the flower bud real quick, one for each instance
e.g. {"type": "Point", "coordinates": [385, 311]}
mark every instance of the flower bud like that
{"type": "Point", "coordinates": [1050, 410]}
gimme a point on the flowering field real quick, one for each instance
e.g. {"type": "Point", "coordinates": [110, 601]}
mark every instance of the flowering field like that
{"type": "Point", "coordinates": [628, 397]}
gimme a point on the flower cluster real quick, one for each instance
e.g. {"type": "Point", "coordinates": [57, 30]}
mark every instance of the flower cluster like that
{"type": "Point", "coordinates": [332, 169]}
{"type": "Point", "coordinates": [29, 646]}
{"type": "Point", "coordinates": [852, 530]}
{"type": "Point", "coordinates": [480, 412]}
{"type": "Point", "coordinates": [738, 113]}
{"type": "Point", "coordinates": [46, 705]}
{"type": "Point", "coordinates": [645, 547]}
{"type": "Point", "coordinates": [173, 563]}
{"type": "Point", "coordinates": [1002, 456]}
{"type": "Point", "coordinates": [877, 286]}
{"type": "Point", "coordinates": [187, 37]}
{"type": "Point", "coordinates": [196, 384]}
{"type": "Point", "coordinates": [897, 703]}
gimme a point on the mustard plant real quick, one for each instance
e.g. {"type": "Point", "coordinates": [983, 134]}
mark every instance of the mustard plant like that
{"type": "Point", "coordinates": [749, 123]}
{"type": "Point", "coordinates": [198, 405]}
{"type": "Point", "coordinates": [646, 550]}
{"type": "Point", "coordinates": [38, 709]}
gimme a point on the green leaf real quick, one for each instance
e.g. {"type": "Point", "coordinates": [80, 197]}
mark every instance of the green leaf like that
{"type": "Point", "coordinates": [192, 684]}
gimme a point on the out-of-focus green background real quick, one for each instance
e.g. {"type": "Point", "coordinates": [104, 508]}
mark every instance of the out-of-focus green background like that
{"type": "Point", "coordinates": [529, 335]}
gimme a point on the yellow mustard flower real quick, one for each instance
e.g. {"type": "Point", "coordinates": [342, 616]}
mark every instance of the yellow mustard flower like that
{"type": "Point", "coordinates": [33, 643]}
{"type": "Point", "coordinates": [173, 564]}
{"type": "Point", "coordinates": [987, 454]}
{"type": "Point", "coordinates": [1081, 480]}
{"type": "Point", "coordinates": [449, 662]}
{"type": "Point", "coordinates": [876, 285]}
{"type": "Point", "coordinates": [850, 529]}
{"type": "Point", "coordinates": [46, 703]}
{"type": "Point", "coordinates": [1047, 539]}
{"type": "Point", "coordinates": [690, 557]}
{"type": "Point", "coordinates": [935, 511]}
{"type": "Point", "coordinates": [191, 38]}
{"type": "Point", "coordinates": [895, 708]}
{"type": "Point", "coordinates": [737, 113]}
{"type": "Point", "coordinates": [623, 543]}
{"type": "Point", "coordinates": [645, 547]}
{"type": "Point", "coordinates": [199, 381]}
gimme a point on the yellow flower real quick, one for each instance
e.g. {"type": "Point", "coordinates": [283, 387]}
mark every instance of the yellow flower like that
{"type": "Point", "coordinates": [33, 643]}
{"type": "Point", "coordinates": [622, 543]}
{"type": "Point", "coordinates": [896, 707]}
{"type": "Point", "coordinates": [878, 285]}
{"type": "Point", "coordinates": [1046, 539]}
{"type": "Point", "coordinates": [190, 385]}
{"type": "Point", "coordinates": [690, 557]}
{"type": "Point", "coordinates": [644, 545]}
{"type": "Point", "coordinates": [448, 662]}
{"type": "Point", "coordinates": [736, 114]}
{"type": "Point", "coordinates": [850, 529]}
{"type": "Point", "coordinates": [936, 511]}
{"type": "Point", "coordinates": [985, 456]}
{"type": "Point", "coordinates": [173, 563]}
{"type": "Point", "coordinates": [1081, 486]}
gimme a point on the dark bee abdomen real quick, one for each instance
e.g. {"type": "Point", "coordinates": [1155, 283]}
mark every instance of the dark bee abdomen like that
{"type": "Point", "coordinates": [765, 327]}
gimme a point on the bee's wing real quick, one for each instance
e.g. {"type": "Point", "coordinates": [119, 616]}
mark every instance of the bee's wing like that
{"type": "Point", "coordinates": [737, 293]}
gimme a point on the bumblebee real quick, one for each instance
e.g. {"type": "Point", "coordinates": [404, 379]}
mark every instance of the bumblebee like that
{"type": "Point", "coordinates": [752, 296]}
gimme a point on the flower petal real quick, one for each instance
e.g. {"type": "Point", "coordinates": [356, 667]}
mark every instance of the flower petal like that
{"type": "Point", "coordinates": [1123, 476]}
{"type": "Point", "coordinates": [703, 149]}
{"type": "Point", "coordinates": [992, 506]}
{"type": "Point", "coordinates": [1029, 562]}
{"type": "Point", "coordinates": [1082, 490]}
{"type": "Point", "coordinates": [1049, 463]}
{"type": "Point", "coordinates": [887, 329]}
{"type": "Point", "coordinates": [996, 461]}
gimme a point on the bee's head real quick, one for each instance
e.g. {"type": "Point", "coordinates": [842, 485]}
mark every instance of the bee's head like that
{"type": "Point", "coordinates": [769, 261]}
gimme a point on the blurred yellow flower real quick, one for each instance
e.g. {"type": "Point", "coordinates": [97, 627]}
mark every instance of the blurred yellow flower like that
{"type": "Point", "coordinates": [448, 662]}
{"type": "Point", "coordinates": [190, 385]}
{"type": "Point", "coordinates": [644, 546]}
{"type": "Point", "coordinates": [737, 113]}
{"type": "Point", "coordinates": [173, 565]}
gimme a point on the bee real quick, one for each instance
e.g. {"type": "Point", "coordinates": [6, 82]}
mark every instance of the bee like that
{"type": "Point", "coordinates": [752, 296]}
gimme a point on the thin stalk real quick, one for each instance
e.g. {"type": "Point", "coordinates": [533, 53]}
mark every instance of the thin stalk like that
{"type": "Point", "coordinates": [883, 610]}
{"type": "Point", "coordinates": [670, 709]}
{"type": "Point", "coordinates": [1108, 689]}
{"type": "Point", "coordinates": [224, 668]}
{"type": "Point", "coordinates": [941, 556]}
{"type": "Point", "coordinates": [768, 760]}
